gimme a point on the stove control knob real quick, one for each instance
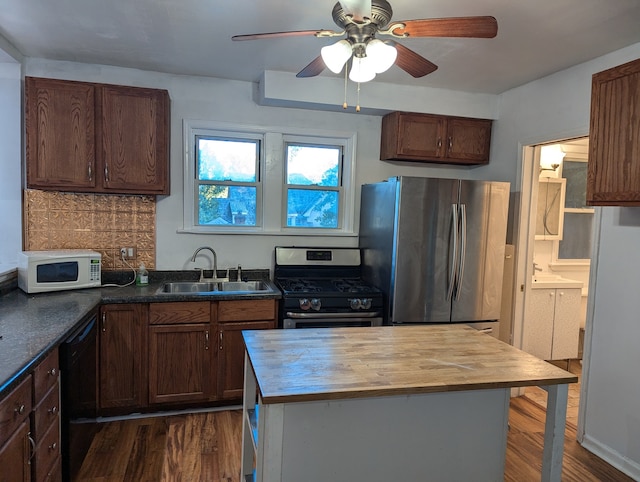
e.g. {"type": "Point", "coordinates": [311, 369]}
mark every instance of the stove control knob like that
{"type": "Point", "coordinates": [355, 303]}
{"type": "Point", "coordinates": [366, 303]}
{"type": "Point", "coordinates": [305, 304]}
{"type": "Point", "coordinates": [316, 304]}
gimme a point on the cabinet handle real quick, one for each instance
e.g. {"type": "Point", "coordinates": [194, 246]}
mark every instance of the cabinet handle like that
{"type": "Point", "coordinates": [33, 447]}
{"type": "Point", "coordinates": [450, 142]}
{"type": "Point", "coordinates": [206, 340]}
{"type": "Point", "coordinates": [20, 409]}
{"type": "Point", "coordinates": [220, 337]}
{"type": "Point", "coordinates": [90, 172]}
{"type": "Point", "coordinates": [106, 173]}
{"type": "Point", "coordinates": [53, 372]}
{"type": "Point", "coordinates": [104, 318]}
{"type": "Point", "coordinates": [53, 446]}
{"type": "Point", "coordinates": [439, 142]}
{"type": "Point", "coordinates": [53, 410]}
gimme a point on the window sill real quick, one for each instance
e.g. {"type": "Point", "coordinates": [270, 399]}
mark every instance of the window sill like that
{"type": "Point", "coordinates": [261, 232]}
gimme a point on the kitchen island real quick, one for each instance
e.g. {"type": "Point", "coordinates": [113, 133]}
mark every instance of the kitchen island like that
{"type": "Point", "coordinates": [389, 403]}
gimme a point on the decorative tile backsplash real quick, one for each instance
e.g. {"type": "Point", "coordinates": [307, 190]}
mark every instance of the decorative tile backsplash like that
{"type": "Point", "coordinates": [102, 222]}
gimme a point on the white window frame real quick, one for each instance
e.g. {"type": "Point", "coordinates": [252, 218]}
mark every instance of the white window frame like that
{"type": "Point", "coordinates": [271, 196]}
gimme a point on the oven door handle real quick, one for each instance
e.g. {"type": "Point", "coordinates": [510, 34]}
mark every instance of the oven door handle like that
{"type": "Point", "coordinates": [367, 314]}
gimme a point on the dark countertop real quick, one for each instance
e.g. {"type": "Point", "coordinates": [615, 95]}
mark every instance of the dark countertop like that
{"type": "Point", "coordinates": [31, 325]}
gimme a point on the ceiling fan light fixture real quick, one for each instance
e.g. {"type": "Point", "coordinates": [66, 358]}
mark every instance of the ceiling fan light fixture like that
{"type": "Point", "coordinates": [336, 55]}
{"type": "Point", "coordinates": [362, 70]}
{"type": "Point", "coordinates": [381, 55]}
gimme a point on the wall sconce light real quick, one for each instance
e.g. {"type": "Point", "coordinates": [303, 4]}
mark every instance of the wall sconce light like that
{"type": "Point", "coordinates": [551, 157]}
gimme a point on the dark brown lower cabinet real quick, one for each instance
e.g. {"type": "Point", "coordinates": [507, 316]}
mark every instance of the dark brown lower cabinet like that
{"type": "Point", "coordinates": [122, 371]}
{"type": "Point", "coordinates": [14, 456]}
{"type": "Point", "coordinates": [231, 356]}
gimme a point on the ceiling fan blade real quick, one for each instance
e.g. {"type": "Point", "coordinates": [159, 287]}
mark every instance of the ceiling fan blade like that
{"type": "Point", "coordinates": [358, 8]}
{"type": "Point", "coordinates": [413, 63]}
{"type": "Point", "coordinates": [292, 33]}
{"type": "Point", "coordinates": [477, 27]}
{"type": "Point", "coordinates": [314, 68]}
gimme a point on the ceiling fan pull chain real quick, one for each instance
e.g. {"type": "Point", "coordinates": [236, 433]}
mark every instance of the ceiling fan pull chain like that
{"type": "Point", "coordinates": [358, 101]}
{"type": "Point", "coordinates": [344, 104]}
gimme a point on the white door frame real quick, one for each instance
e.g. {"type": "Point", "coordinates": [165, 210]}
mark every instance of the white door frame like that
{"type": "Point", "coordinates": [524, 225]}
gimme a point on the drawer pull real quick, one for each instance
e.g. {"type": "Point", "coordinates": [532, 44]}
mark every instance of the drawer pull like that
{"type": "Point", "coordinates": [20, 409]}
{"type": "Point", "coordinates": [53, 410]}
{"type": "Point", "coordinates": [53, 446]}
{"type": "Point", "coordinates": [33, 446]}
{"type": "Point", "coordinates": [53, 372]}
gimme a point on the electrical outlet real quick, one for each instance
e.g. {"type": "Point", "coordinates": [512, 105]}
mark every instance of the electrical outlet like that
{"type": "Point", "coordinates": [128, 253]}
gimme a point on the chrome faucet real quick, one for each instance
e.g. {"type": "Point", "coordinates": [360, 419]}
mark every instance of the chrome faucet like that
{"type": "Point", "coordinates": [214, 277]}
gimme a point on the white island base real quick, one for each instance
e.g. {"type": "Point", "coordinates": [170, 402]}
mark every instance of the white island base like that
{"type": "Point", "coordinates": [455, 436]}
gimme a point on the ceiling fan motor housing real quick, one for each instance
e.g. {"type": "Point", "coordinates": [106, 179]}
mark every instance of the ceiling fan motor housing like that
{"type": "Point", "coordinates": [381, 13]}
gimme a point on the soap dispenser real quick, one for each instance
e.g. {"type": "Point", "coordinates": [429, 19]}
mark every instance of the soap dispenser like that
{"type": "Point", "coordinates": [142, 277]}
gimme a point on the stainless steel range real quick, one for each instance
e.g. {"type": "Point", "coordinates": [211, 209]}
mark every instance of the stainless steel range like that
{"type": "Point", "coordinates": [323, 287]}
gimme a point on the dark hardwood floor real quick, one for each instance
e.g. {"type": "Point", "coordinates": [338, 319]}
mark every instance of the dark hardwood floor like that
{"type": "Point", "coordinates": [205, 447]}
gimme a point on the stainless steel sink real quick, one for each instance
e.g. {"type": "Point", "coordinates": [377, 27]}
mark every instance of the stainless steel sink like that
{"type": "Point", "coordinates": [211, 287]}
{"type": "Point", "coordinates": [188, 287]}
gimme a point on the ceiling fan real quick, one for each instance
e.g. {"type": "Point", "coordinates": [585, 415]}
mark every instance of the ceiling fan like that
{"type": "Point", "coordinates": [361, 21]}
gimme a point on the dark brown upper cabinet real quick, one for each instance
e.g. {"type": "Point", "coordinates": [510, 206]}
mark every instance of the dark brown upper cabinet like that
{"type": "Point", "coordinates": [88, 137]}
{"type": "Point", "coordinates": [416, 137]}
{"type": "Point", "coordinates": [613, 177]}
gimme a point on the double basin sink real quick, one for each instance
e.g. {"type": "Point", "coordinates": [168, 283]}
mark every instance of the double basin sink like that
{"type": "Point", "coordinates": [245, 287]}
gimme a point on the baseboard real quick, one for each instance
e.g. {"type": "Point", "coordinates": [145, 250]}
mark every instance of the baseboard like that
{"type": "Point", "coordinates": [623, 464]}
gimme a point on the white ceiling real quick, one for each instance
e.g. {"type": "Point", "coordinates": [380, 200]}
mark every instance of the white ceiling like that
{"type": "Point", "coordinates": [193, 37]}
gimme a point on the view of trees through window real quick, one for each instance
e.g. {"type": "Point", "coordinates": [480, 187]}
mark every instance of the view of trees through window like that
{"type": "Point", "coordinates": [227, 171]}
{"type": "Point", "coordinates": [313, 185]}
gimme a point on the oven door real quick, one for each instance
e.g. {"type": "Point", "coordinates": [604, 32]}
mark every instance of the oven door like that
{"type": "Point", "coordinates": [330, 320]}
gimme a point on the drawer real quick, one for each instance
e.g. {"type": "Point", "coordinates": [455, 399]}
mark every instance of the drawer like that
{"type": "Point", "coordinates": [252, 310]}
{"type": "Point", "coordinates": [179, 312]}
{"type": "Point", "coordinates": [47, 452]}
{"type": "Point", "coordinates": [45, 375]}
{"type": "Point", "coordinates": [14, 408]}
{"type": "Point", "coordinates": [46, 412]}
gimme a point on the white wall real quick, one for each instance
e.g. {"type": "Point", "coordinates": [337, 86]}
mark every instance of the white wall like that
{"type": "Point", "coordinates": [557, 107]}
{"type": "Point", "coordinates": [10, 155]}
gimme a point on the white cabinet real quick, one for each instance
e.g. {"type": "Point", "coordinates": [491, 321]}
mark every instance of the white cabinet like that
{"type": "Point", "coordinates": [553, 323]}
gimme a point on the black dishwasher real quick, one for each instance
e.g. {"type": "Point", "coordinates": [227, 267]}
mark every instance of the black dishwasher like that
{"type": "Point", "coordinates": [79, 379]}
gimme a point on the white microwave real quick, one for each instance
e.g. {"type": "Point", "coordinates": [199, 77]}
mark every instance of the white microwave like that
{"type": "Point", "coordinates": [63, 269]}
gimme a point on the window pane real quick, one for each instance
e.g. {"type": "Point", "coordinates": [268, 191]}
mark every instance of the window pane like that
{"type": "Point", "coordinates": [576, 242]}
{"type": "Point", "coordinates": [576, 175]}
{"type": "Point", "coordinates": [227, 205]}
{"type": "Point", "coordinates": [313, 165]}
{"type": "Point", "coordinates": [311, 208]}
{"type": "Point", "coordinates": [227, 160]}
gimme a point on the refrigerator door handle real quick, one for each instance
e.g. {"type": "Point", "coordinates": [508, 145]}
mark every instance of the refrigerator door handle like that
{"type": "Point", "coordinates": [463, 249]}
{"type": "Point", "coordinates": [454, 252]}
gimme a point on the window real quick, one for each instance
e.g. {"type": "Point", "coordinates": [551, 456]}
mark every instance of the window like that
{"type": "Point", "coordinates": [253, 180]}
{"type": "Point", "coordinates": [227, 178]}
{"type": "Point", "coordinates": [578, 218]}
{"type": "Point", "coordinates": [313, 185]}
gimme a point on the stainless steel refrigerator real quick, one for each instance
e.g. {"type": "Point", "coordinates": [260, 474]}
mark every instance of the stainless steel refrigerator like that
{"type": "Point", "coordinates": [435, 247]}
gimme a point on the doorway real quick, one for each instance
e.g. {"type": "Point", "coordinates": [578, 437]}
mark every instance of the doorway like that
{"type": "Point", "coordinates": [555, 246]}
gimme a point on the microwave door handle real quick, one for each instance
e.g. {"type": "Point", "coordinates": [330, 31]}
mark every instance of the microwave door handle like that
{"type": "Point", "coordinates": [454, 251]}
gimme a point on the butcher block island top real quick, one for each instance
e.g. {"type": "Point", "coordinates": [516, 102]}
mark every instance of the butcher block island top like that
{"type": "Point", "coordinates": [343, 363]}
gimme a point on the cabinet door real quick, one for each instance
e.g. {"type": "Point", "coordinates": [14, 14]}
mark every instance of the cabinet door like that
{"type": "Point", "coordinates": [231, 356]}
{"type": "Point", "coordinates": [614, 158]}
{"type": "Point", "coordinates": [133, 130]}
{"type": "Point", "coordinates": [14, 456]}
{"type": "Point", "coordinates": [540, 313]}
{"type": "Point", "coordinates": [122, 356]}
{"type": "Point", "coordinates": [60, 134]}
{"type": "Point", "coordinates": [468, 140]}
{"type": "Point", "coordinates": [180, 363]}
{"type": "Point", "coordinates": [566, 324]}
{"type": "Point", "coordinates": [407, 136]}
